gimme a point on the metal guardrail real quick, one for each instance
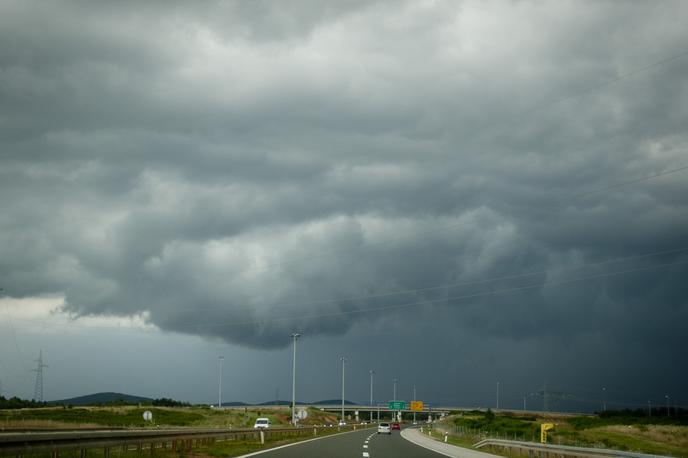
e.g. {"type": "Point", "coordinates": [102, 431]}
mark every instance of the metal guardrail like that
{"type": "Point", "coordinates": [534, 449]}
{"type": "Point", "coordinates": [52, 443]}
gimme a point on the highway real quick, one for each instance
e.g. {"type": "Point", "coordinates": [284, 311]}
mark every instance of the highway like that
{"type": "Point", "coordinates": [365, 443]}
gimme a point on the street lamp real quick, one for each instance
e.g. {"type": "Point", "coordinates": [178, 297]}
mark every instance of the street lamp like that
{"type": "Point", "coordinates": [343, 359]}
{"type": "Point", "coordinates": [604, 401]}
{"type": "Point", "coordinates": [497, 395]}
{"type": "Point", "coordinates": [414, 399]}
{"type": "Point", "coordinates": [371, 394]}
{"type": "Point", "coordinates": [219, 389]}
{"type": "Point", "coordinates": [395, 394]}
{"type": "Point", "coordinates": [667, 399]}
{"type": "Point", "coordinates": [294, 336]}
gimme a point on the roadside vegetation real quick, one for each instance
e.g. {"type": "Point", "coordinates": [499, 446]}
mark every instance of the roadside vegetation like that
{"type": "Point", "coordinates": [116, 416]}
{"type": "Point", "coordinates": [192, 417]}
{"type": "Point", "coordinates": [37, 416]}
{"type": "Point", "coordinates": [18, 403]}
{"type": "Point", "coordinates": [227, 448]}
{"type": "Point", "coordinates": [621, 430]}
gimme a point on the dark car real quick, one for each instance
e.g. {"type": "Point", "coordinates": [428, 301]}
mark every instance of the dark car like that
{"type": "Point", "coordinates": [396, 426]}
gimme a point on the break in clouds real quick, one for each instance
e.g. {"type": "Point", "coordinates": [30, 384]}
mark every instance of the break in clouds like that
{"type": "Point", "coordinates": [246, 170]}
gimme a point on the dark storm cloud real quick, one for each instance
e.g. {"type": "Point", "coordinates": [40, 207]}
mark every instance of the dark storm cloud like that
{"type": "Point", "coordinates": [246, 169]}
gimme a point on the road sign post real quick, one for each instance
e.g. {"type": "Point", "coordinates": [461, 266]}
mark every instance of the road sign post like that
{"type": "Point", "coordinates": [397, 405]}
{"type": "Point", "coordinates": [417, 406]}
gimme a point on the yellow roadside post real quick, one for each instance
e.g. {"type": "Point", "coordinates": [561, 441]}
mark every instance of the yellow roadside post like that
{"type": "Point", "coordinates": [543, 431]}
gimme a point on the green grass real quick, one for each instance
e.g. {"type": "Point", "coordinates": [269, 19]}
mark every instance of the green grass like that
{"type": "Point", "coordinates": [587, 422]}
{"type": "Point", "coordinates": [227, 448]}
{"type": "Point", "coordinates": [219, 449]}
{"type": "Point", "coordinates": [115, 416]}
{"type": "Point", "coordinates": [132, 417]}
{"type": "Point", "coordinates": [503, 425]}
{"type": "Point", "coordinates": [668, 436]}
{"type": "Point", "coordinates": [128, 416]}
{"type": "Point", "coordinates": [654, 439]}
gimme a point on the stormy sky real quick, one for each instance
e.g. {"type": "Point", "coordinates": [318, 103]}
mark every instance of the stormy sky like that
{"type": "Point", "coordinates": [454, 194]}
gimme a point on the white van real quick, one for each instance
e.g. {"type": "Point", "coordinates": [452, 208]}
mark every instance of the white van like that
{"type": "Point", "coordinates": [262, 423]}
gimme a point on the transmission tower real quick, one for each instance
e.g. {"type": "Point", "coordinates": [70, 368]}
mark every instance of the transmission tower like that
{"type": "Point", "coordinates": [38, 390]}
{"type": "Point", "coordinates": [548, 396]}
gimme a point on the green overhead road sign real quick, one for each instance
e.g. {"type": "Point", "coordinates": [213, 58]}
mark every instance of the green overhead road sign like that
{"type": "Point", "coordinates": [397, 405]}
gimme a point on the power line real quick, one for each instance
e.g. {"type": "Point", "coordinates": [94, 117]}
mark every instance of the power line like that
{"type": "Point", "coordinates": [444, 299]}
{"type": "Point", "coordinates": [526, 112]}
{"type": "Point", "coordinates": [588, 90]}
{"type": "Point", "coordinates": [627, 183]}
{"type": "Point", "coordinates": [448, 299]}
{"type": "Point", "coordinates": [394, 240]}
{"type": "Point", "coordinates": [608, 82]}
{"type": "Point", "coordinates": [462, 283]}
{"type": "Point", "coordinates": [466, 296]}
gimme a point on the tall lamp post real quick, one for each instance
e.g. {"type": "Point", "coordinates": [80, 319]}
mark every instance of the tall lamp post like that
{"type": "Point", "coordinates": [371, 394]}
{"type": "Point", "coordinates": [395, 394]}
{"type": "Point", "coordinates": [497, 395]}
{"type": "Point", "coordinates": [219, 384]}
{"type": "Point", "coordinates": [294, 336]}
{"type": "Point", "coordinates": [414, 399]}
{"type": "Point", "coordinates": [667, 399]}
{"type": "Point", "coordinates": [604, 399]}
{"type": "Point", "coordinates": [343, 360]}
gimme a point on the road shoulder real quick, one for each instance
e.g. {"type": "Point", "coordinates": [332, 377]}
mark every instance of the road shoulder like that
{"type": "Point", "coordinates": [413, 435]}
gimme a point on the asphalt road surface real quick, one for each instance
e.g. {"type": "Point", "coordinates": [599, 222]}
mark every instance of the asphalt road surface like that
{"type": "Point", "coordinates": [365, 443]}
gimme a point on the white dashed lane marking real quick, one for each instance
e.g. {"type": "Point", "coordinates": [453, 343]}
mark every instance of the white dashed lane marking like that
{"type": "Point", "coordinates": [365, 446]}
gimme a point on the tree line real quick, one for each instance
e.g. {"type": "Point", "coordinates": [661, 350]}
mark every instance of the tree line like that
{"type": "Point", "coordinates": [17, 403]}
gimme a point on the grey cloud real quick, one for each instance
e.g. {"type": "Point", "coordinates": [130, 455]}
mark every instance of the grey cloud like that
{"type": "Point", "coordinates": [244, 170]}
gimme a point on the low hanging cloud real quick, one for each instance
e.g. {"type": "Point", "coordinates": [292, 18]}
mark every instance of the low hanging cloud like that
{"type": "Point", "coordinates": [247, 171]}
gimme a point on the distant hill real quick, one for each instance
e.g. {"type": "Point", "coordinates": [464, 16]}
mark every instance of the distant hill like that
{"type": "Point", "coordinates": [110, 397]}
{"type": "Point", "coordinates": [281, 403]}
{"type": "Point", "coordinates": [275, 403]}
{"type": "Point", "coordinates": [102, 398]}
{"type": "Point", "coordinates": [334, 402]}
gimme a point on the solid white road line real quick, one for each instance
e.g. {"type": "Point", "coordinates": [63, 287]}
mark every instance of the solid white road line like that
{"type": "Point", "coordinates": [293, 443]}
